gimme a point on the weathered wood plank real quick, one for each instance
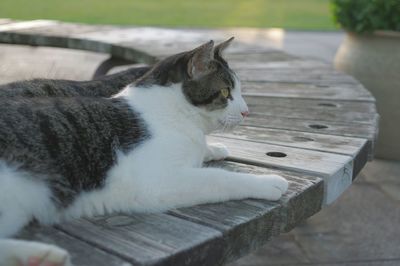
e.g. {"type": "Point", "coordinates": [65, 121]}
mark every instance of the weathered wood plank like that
{"type": "Point", "coordinates": [342, 92]}
{"type": "Point", "coordinates": [365, 131]}
{"type": "Point", "coordinates": [260, 103]}
{"type": "Point", "coordinates": [357, 148]}
{"type": "Point", "coordinates": [300, 160]}
{"type": "Point", "coordinates": [82, 253]}
{"type": "Point", "coordinates": [255, 63]}
{"type": "Point", "coordinates": [337, 170]}
{"type": "Point", "coordinates": [358, 112]}
{"type": "Point", "coordinates": [264, 56]}
{"type": "Point", "coordinates": [149, 239]}
{"type": "Point", "coordinates": [301, 76]}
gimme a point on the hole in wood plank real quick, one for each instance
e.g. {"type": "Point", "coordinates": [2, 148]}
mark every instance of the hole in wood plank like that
{"type": "Point", "coordinates": [317, 126]}
{"type": "Point", "coordinates": [302, 139]}
{"type": "Point", "coordinates": [327, 104]}
{"type": "Point", "coordinates": [276, 154]}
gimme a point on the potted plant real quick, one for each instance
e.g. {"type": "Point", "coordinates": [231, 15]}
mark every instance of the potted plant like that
{"type": "Point", "coordinates": [371, 53]}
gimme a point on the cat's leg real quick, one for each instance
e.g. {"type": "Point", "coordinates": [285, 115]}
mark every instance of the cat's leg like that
{"type": "Point", "coordinates": [23, 198]}
{"type": "Point", "coordinates": [191, 186]}
{"type": "Point", "coordinates": [216, 151]}
{"type": "Point", "coordinates": [12, 220]}
{"type": "Point", "coordinates": [20, 252]}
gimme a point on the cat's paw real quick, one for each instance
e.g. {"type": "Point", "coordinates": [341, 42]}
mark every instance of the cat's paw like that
{"type": "Point", "coordinates": [271, 187]}
{"type": "Point", "coordinates": [216, 151]}
{"type": "Point", "coordinates": [19, 252]}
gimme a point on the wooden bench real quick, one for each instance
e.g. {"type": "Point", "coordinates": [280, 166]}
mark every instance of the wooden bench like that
{"type": "Point", "coordinates": [309, 123]}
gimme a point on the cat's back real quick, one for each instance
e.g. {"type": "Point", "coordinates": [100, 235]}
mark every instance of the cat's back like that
{"type": "Point", "coordinates": [66, 117]}
{"type": "Point", "coordinates": [75, 138]}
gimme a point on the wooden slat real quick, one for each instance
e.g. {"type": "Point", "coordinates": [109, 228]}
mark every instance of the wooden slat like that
{"type": "Point", "coordinates": [148, 239]}
{"type": "Point", "coordinates": [337, 170]}
{"type": "Point", "coordinates": [261, 103]}
{"type": "Point", "coordinates": [357, 148]}
{"type": "Point", "coordinates": [309, 76]}
{"type": "Point", "coordinates": [254, 57]}
{"type": "Point", "coordinates": [82, 253]}
{"type": "Point", "coordinates": [358, 112]}
{"type": "Point", "coordinates": [365, 131]}
{"type": "Point", "coordinates": [208, 234]}
{"type": "Point", "coordinates": [265, 64]}
{"type": "Point", "coordinates": [310, 141]}
{"type": "Point", "coordinates": [342, 92]}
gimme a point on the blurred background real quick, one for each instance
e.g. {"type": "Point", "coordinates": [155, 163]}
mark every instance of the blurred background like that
{"type": "Point", "coordinates": [289, 14]}
{"type": "Point", "coordinates": [362, 227]}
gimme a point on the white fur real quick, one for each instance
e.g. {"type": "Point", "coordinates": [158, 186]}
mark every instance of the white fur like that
{"type": "Point", "coordinates": [18, 252]}
{"type": "Point", "coordinates": [163, 172]}
{"type": "Point", "coordinates": [21, 200]}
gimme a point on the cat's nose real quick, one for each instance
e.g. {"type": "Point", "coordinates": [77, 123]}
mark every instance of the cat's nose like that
{"type": "Point", "coordinates": [245, 113]}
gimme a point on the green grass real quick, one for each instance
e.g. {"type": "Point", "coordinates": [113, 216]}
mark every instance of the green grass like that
{"type": "Point", "coordinates": [289, 14]}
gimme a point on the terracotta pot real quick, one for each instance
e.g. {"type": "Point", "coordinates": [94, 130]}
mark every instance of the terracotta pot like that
{"type": "Point", "coordinates": [374, 59]}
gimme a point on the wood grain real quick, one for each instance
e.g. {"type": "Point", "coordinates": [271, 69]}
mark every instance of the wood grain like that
{"type": "Point", "coordinates": [342, 92]}
{"type": "Point", "coordinates": [357, 148]}
{"type": "Point", "coordinates": [313, 110]}
{"type": "Point", "coordinates": [82, 253]}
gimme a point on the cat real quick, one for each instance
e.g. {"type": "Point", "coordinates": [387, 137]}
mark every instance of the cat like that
{"type": "Point", "coordinates": [140, 150]}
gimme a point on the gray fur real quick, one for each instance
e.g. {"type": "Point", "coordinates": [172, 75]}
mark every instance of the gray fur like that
{"type": "Point", "coordinates": [102, 87]}
{"type": "Point", "coordinates": [71, 142]}
{"type": "Point", "coordinates": [200, 90]}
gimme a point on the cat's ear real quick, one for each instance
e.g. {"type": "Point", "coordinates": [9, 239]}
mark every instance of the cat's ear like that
{"type": "Point", "coordinates": [199, 62]}
{"type": "Point", "coordinates": [221, 47]}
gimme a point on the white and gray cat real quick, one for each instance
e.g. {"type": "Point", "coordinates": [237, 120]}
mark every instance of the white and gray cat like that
{"type": "Point", "coordinates": [141, 150]}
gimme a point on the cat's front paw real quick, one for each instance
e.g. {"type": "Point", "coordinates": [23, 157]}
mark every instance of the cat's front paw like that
{"type": "Point", "coordinates": [216, 151]}
{"type": "Point", "coordinates": [271, 187]}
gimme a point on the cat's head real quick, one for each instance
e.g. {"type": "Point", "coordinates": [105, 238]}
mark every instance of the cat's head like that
{"type": "Point", "coordinates": [207, 82]}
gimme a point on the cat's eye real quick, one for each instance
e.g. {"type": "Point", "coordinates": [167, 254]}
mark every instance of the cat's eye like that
{"type": "Point", "coordinates": [225, 92]}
